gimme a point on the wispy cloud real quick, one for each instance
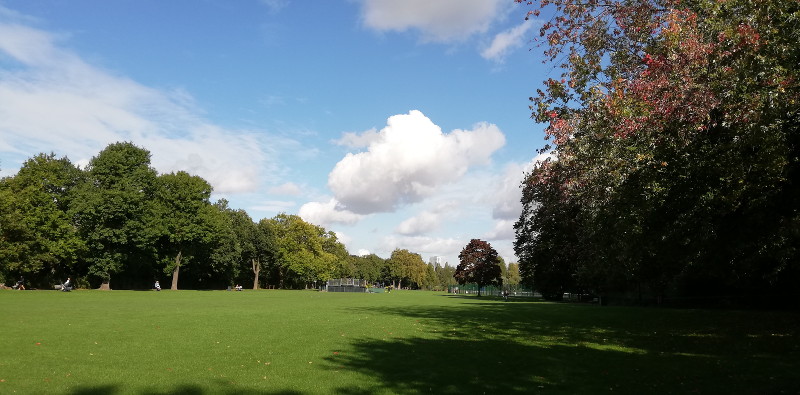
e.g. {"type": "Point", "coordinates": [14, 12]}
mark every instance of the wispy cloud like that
{"type": "Point", "coordinates": [275, 5]}
{"type": "Point", "coordinates": [286, 189]}
{"type": "Point", "coordinates": [53, 100]}
{"type": "Point", "coordinates": [506, 41]}
{"type": "Point", "coordinates": [358, 140]}
{"type": "Point", "coordinates": [273, 206]}
{"type": "Point", "coordinates": [427, 220]}
{"type": "Point", "coordinates": [425, 245]}
{"type": "Point", "coordinates": [437, 21]}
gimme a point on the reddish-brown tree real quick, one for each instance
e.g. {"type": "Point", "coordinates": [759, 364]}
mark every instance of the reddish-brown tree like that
{"type": "Point", "coordinates": [675, 126]}
{"type": "Point", "coordinates": [479, 264]}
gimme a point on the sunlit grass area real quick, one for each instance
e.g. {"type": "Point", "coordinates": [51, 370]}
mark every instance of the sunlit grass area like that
{"type": "Point", "coordinates": [298, 342]}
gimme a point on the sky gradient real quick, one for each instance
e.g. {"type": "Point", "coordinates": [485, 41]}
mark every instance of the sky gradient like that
{"type": "Point", "coordinates": [396, 124]}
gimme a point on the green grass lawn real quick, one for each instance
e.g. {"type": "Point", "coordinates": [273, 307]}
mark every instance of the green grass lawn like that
{"type": "Point", "coordinates": [305, 342]}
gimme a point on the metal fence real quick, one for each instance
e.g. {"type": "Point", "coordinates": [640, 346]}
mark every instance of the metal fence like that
{"type": "Point", "coordinates": [347, 285]}
{"type": "Point", "coordinates": [472, 289]}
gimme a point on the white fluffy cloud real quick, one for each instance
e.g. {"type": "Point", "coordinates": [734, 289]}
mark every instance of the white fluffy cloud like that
{"type": "Point", "coordinates": [439, 20]}
{"type": "Point", "coordinates": [52, 100]}
{"type": "Point", "coordinates": [409, 161]}
{"type": "Point", "coordinates": [423, 222]}
{"type": "Point", "coordinates": [328, 213]}
{"type": "Point", "coordinates": [427, 220]}
{"type": "Point", "coordinates": [424, 245]}
{"type": "Point", "coordinates": [506, 41]}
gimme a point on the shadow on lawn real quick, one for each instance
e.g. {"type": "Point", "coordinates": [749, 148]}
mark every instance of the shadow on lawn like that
{"type": "Point", "coordinates": [186, 389]}
{"type": "Point", "coordinates": [529, 347]}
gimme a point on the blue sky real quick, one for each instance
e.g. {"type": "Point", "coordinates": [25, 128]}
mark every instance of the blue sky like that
{"type": "Point", "coordinates": [396, 124]}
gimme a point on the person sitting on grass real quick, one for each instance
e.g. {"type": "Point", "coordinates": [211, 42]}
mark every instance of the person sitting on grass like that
{"type": "Point", "coordinates": [157, 286]}
{"type": "Point", "coordinates": [66, 287]}
{"type": "Point", "coordinates": [238, 287]}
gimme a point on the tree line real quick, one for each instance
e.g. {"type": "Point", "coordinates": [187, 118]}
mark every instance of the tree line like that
{"type": "Point", "coordinates": [119, 223]}
{"type": "Point", "coordinates": [674, 165]}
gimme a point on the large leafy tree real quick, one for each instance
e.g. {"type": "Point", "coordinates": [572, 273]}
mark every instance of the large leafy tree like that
{"type": "Point", "coordinates": [675, 132]}
{"type": "Point", "coordinates": [305, 253]}
{"type": "Point", "coordinates": [445, 274]}
{"type": "Point", "coordinates": [248, 250]}
{"type": "Point", "coordinates": [115, 213]}
{"type": "Point", "coordinates": [512, 274]}
{"type": "Point", "coordinates": [479, 264]}
{"type": "Point", "coordinates": [370, 267]}
{"type": "Point", "coordinates": [190, 226]}
{"type": "Point", "coordinates": [37, 237]}
{"type": "Point", "coordinates": [406, 266]}
{"type": "Point", "coordinates": [227, 258]}
{"type": "Point", "coordinates": [431, 280]}
{"type": "Point", "coordinates": [264, 251]}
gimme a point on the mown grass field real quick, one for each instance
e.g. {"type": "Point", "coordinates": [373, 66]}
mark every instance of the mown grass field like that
{"type": "Point", "coordinates": [305, 342]}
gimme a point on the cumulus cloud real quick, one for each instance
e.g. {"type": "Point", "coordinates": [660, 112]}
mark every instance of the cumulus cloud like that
{"type": "Point", "coordinates": [426, 221]}
{"type": "Point", "coordinates": [437, 21]}
{"type": "Point", "coordinates": [423, 222]}
{"type": "Point", "coordinates": [410, 160]}
{"type": "Point", "coordinates": [326, 213]}
{"type": "Point", "coordinates": [51, 99]}
{"type": "Point", "coordinates": [506, 41]}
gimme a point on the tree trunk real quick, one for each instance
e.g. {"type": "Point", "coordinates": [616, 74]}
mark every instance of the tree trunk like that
{"type": "Point", "coordinates": [106, 285]}
{"type": "Point", "coordinates": [175, 272]}
{"type": "Point", "coordinates": [256, 270]}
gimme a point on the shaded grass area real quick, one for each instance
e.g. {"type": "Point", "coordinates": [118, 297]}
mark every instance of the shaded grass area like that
{"type": "Point", "coordinates": [299, 342]}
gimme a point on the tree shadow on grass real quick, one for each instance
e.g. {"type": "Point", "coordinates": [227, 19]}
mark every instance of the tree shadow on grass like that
{"type": "Point", "coordinates": [495, 347]}
{"type": "Point", "coordinates": [185, 389]}
{"type": "Point", "coordinates": [95, 390]}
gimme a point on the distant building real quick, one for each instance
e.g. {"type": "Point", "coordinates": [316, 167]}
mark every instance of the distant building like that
{"type": "Point", "coordinates": [436, 261]}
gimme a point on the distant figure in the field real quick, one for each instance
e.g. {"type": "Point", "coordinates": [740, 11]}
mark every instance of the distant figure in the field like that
{"type": "Point", "coordinates": [158, 286]}
{"type": "Point", "coordinates": [505, 295]}
{"type": "Point", "coordinates": [238, 287]}
{"type": "Point", "coordinates": [20, 284]}
{"type": "Point", "coordinates": [67, 286]}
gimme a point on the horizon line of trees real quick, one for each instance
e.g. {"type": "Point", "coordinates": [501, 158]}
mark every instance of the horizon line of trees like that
{"type": "Point", "coordinates": [118, 223]}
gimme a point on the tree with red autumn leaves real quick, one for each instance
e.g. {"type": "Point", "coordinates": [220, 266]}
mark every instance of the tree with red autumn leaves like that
{"type": "Point", "coordinates": [479, 264]}
{"type": "Point", "coordinates": [675, 145]}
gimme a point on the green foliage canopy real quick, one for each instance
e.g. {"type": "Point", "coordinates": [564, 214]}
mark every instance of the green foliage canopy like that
{"type": "Point", "coordinates": [676, 149]}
